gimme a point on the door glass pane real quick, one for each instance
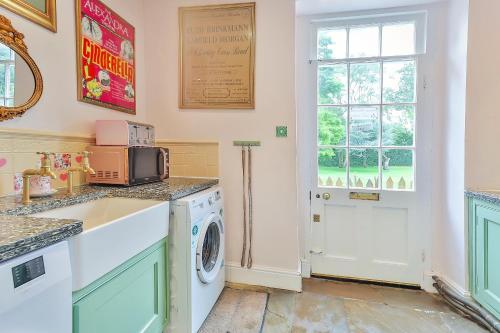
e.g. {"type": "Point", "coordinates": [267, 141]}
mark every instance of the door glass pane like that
{"type": "Point", "coordinates": [210, 249]}
{"type": "Point", "coordinates": [399, 82]}
{"type": "Point", "coordinates": [363, 168]}
{"type": "Point", "coordinates": [332, 84]}
{"type": "Point", "coordinates": [332, 167]}
{"type": "Point", "coordinates": [332, 125]}
{"type": "Point", "coordinates": [397, 169]}
{"type": "Point", "coordinates": [398, 125]}
{"type": "Point", "coordinates": [365, 83]}
{"type": "Point", "coordinates": [364, 42]}
{"type": "Point", "coordinates": [398, 39]}
{"type": "Point", "coordinates": [332, 44]}
{"type": "Point", "coordinates": [364, 126]}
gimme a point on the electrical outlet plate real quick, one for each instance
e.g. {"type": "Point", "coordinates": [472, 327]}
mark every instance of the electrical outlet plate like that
{"type": "Point", "coordinates": [281, 131]}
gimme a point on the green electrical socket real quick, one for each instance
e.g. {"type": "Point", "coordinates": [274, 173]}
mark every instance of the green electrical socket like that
{"type": "Point", "coordinates": [281, 131]}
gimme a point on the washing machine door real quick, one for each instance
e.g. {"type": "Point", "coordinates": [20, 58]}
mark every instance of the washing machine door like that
{"type": "Point", "coordinates": [210, 249]}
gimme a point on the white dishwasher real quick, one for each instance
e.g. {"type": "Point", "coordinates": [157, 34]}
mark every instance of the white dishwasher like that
{"type": "Point", "coordinates": [35, 292]}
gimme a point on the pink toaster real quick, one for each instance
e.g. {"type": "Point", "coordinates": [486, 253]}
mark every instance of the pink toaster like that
{"type": "Point", "coordinates": [124, 133]}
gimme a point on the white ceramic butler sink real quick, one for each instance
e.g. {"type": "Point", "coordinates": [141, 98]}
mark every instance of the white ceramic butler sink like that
{"type": "Point", "coordinates": [114, 230]}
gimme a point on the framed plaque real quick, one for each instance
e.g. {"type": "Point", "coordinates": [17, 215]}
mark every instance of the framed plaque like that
{"type": "Point", "coordinates": [217, 56]}
{"type": "Point", "coordinates": [105, 57]}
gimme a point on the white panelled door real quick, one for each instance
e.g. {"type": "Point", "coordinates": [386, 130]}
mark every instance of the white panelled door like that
{"type": "Point", "coordinates": [366, 110]}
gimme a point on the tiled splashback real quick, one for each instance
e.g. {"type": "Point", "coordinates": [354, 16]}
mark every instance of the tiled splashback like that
{"type": "Point", "coordinates": [192, 159]}
{"type": "Point", "coordinates": [18, 152]}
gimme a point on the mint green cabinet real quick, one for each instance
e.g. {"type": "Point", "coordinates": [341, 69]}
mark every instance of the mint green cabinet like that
{"type": "Point", "coordinates": [132, 298]}
{"type": "Point", "coordinates": [484, 254]}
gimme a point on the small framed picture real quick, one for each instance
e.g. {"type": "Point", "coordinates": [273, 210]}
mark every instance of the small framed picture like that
{"type": "Point", "coordinates": [42, 12]}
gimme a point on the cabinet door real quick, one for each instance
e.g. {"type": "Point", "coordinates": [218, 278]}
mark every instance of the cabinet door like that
{"type": "Point", "coordinates": [133, 301]}
{"type": "Point", "coordinates": [486, 250]}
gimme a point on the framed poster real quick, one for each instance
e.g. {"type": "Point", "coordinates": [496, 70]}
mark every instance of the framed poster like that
{"type": "Point", "coordinates": [217, 56]}
{"type": "Point", "coordinates": [42, 12]}
{"type": "Point", "coordinates": [105, 57]}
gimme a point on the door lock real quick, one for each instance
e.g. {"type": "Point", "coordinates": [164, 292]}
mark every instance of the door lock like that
{"type": "Point", "coordinates": [326, 196]}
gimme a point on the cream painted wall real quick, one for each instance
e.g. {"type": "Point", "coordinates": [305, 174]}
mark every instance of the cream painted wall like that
{"type": "Point", "coordinates": [275, 193]}
{"type": "Point", "coordinates": [449, 233]}
{"type": "Point", "coordinates": [483, 86]}
{"type": "Point", "coordinates": [55, 53]}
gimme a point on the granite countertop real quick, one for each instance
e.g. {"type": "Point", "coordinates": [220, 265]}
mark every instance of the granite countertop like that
{"type": "Point", "coordinates": [23, 234]}
{"type": "Point", "coordinates": [486, 195]}
{"type": "Point", "coordinates": [171, 189]}
{"type": "Point", "coordinates": [20, 234]}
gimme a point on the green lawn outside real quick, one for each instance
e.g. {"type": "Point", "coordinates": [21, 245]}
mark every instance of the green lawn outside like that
{"type": "Point", "coordinates": [395, 172]}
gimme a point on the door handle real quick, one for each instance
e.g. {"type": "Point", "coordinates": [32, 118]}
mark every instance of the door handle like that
{"type": "Point", "coordinates": [326, 196]}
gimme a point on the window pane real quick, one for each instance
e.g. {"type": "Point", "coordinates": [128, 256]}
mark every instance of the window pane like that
{"type": "Point", "coordinates": [332, 44]}
{"type": "Point", "coordinates": [5, 52]}
{"type": "Point", "coordinates": [332, 84]}
{"type": "Point", "coordinates": [365, 83]}
{"type": "Point", "coordinates": [398, 39]}
{"type": "Point", "coordinates": [397, 169]}
{"type": "Point", "coordinates": [332, 125]}
{"type": "Point", "coordinates": [12, 85]}
{"type": "Point", "coordinates": [364, 42]}
{"type": "Point", "coordinates": [399, 82]}
{"type": "Point", "coordinates": [2, 80]}
{"type": "Point", "coordinates": [363, 168]}
{"type": "Point", "coordinates": [364, 126]}
{"type": "Point", "coordinates": [332, 167]}
{"type": "Point", "coordinates": [398, 125]}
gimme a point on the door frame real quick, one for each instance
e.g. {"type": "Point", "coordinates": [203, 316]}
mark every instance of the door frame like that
{"type": "Point", "coordinates": [307, 133]}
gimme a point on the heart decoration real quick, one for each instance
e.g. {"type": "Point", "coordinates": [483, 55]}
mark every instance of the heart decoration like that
{"type": "Point", "coordinates": [3, 161]}
{"type": "Point", "coordinates": [63, 176]}
{"type": "Point", "coordinates": [79, 159]}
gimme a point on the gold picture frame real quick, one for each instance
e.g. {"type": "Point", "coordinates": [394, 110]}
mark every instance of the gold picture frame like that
{"type": "Point", "coordinates": [23, 8]}
{"type": "Point", "coordinates": [203, 32]}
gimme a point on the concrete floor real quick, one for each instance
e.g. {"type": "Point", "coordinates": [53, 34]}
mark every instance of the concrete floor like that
{"type": "Point", "coordinates": [329, 306]}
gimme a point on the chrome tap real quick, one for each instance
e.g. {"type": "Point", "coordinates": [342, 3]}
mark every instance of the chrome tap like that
{"type": "Point", "coordinates": [44, 171]}
{"type": "Point", "coordinates": [85, 168]}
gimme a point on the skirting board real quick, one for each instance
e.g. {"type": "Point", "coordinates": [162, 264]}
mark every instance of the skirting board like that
{"type": "Point", "coordinates": [428, 284]}
{"type": "Point", "coordinates": [264, 276]}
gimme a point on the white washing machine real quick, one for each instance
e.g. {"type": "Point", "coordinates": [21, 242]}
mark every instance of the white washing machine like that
{"type": "Point", "coordinates": [196, 254]}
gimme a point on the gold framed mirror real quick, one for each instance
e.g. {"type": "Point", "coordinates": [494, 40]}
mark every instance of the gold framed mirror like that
{"type": "Point", "coordinates": [21, 83]}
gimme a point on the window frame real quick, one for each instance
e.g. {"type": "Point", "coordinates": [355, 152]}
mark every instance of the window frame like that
{"type": "Point", "coordinates": [419, 19]}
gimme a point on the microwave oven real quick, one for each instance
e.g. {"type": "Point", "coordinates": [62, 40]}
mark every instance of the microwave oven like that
{"type": "Point", "coordinates": [128, 166]}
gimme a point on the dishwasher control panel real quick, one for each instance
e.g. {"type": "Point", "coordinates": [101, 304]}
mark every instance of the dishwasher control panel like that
{"type": "Point", "coordinates": [28, 271]}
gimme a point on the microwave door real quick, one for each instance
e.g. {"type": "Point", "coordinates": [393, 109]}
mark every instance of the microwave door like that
{"type": "Point", "coordinates": [143, 165]}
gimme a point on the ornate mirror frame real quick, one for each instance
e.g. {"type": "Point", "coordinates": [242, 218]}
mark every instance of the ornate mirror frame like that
{"type": "Point", "coordinates": [15, 40]}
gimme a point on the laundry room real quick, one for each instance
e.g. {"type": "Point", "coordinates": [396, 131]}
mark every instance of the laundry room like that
{"type": "Point", "coordinates": [221, 166]}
